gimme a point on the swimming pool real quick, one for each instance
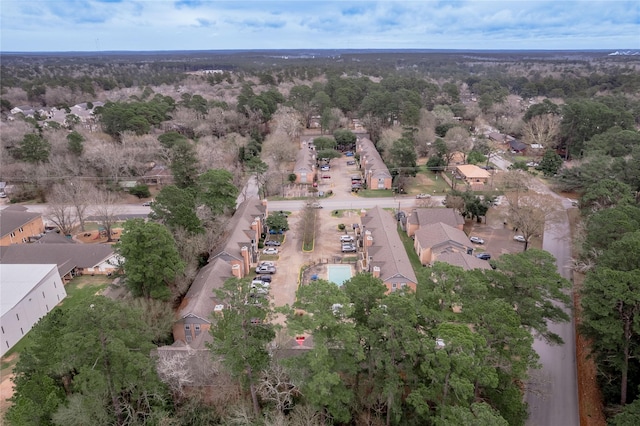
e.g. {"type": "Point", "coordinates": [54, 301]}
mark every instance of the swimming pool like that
{"type": "Point", "coordinates": [338, 274]}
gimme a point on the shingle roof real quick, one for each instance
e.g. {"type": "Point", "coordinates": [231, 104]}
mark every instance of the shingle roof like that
{"type": "Point", "coordinates": [13, 218]}
{"type": "Point", "coordinates": [387, 250]}
{"type": "Point", "coordinates": [426, 216]}
{"type": "Point", "coordinates": [66, 256]}
{"type": "Point", "coordinates": [305, 159]}
{"type": "Point", "coordinates": [54, 238]}
{"type": "Point", "coordinates": [472, 171]}
{"type": "Point", "coordinates": [240, 227]}
{"type": "Point", "coordinates": [200, 299]}
{"type": "Point", "coordinates": [438, 234]}
{"type": "Point", "coordinates": [465, 261]}
{"type": "Point", "coordinates": [374, 164]}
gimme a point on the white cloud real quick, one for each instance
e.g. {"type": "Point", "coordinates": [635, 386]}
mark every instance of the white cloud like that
{"type": "Point", "coordinates": [62, 25]}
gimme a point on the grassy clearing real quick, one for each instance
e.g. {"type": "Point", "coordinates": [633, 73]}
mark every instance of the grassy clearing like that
{"type": "Point", "coordinates": [408, 247]}
{"type": "Point", "coordinates": [375, 193]}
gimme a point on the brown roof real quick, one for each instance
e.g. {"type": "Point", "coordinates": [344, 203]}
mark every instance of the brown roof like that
{"type": "Point", "coordinates": [374, 164]}
{"type": "Point", "coordinates": [440, 236]}
{"type": "Point", "coordinates": [472, 171]}
{"type": "Point", "coordinates": [201, 299]}
{"type": "Point", "coordinates": [239, 228]}
{"type": "Point", "coordinates": [66, 256]}
{"type": "Point", "coordinates": [426, 216]}
{"type": "Point", "coordinates": [14, 217]}
{"type": "Point", "coordinates": [387, 251]}
{"type": "Point", "coordinates": [465, 261]}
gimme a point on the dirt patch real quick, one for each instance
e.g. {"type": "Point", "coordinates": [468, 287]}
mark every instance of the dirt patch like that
{"type": "Point", "coordinates": [589, 395]}
{"type": "Point", "coordinates": [6, 383]}
{"type": "Point", "coordinates": [93, 237]}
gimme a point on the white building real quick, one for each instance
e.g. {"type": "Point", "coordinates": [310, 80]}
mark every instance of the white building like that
{"type": "Point", "coordinates": [27, 293]}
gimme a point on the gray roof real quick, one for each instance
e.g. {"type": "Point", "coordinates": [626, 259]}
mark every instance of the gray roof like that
{"type": "Point", "coordinates": [427, 216]}
{"type": "Point", "coordinates": [13, 218]}
{"type": "Point", "coordinates": [440, 237]}
{"type": "Point", "coordinates": [239, 227]}
{"type": "Point", "coordinates": [465, 261]}
{"type": "Point", "coordinates": [387, 251]}
{"type": "Point", "coordinates": [200, 299]}
{"type": "Point", "coordinates": [305, 161]}
{"type": "Point", "coordinates": [54, 238]}
{"type": "Point", "coordinates": [374, 164]}
{"type": "Point", "coordinates": [66, 256]}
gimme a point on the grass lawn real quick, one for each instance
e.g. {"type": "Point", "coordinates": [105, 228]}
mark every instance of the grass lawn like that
{"type": "Point", "coordinates": [374, 193]}
{"type": "Point", "coordinates": [408, 247]}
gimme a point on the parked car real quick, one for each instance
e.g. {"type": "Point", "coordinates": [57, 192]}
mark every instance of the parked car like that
{"type": "Point", "coordinates": [325, 168]}
{"type": "Point", "coordinates": [520, 239]}
{"type": "Point", "coordinates": [476, 240]}
{"type": "Point", "coordinates": [316, 205]}
{"type": "Point", "coordinates": [265, 269]}
{"type": "Point", "coordinates": [351, 163]}
{"type": "Point", "coordinates": [349, 248]}
{"type": "Point", "coordinates": [267, 263]}
{"type": "Point", "coordinates": [421, 196]}
{"type": "Point", "coordinates": [270, 250]}
{"type": "Point", "coordinates": [272, 243]}
{"type": "Point", "coordinates": [326, 177]}
{"type": "Point", "coordinates": [147, 203]}
{"type": "Point", "coordinates": [349, 153]}
{"type": "Point", "coordinates": [346, 238]}
{"type": "Point", "coordinates": [259, 284]}
{"type": "Point", "coordinates": [483, 256]}
{"type": "Point", "coordinates": [263, 278]}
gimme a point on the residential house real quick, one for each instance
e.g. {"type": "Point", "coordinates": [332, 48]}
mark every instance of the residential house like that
{"type": "Point", "coordinates": [383, 253]}
{"type": "Point", "coordinates": [427, 216]}
{"type": "Point", "coordinates": [473, 175]}
{"type": "Point", "coordinates": [17, 225]}
{"type": "Point", "coordinates": [27, 293]}
{"type": "Point", "coordinates": [71, 258]}
{"type": "Point", "coordinates": [375, 172]}
{"type": "Point", "coordinates": [305, 166]}
{"type": "Point", "coordinates": [517, 146]}
{"type": "Point", "coordinates": [438, 238]}
{"type": "Point", "coordinates": [159, 175]}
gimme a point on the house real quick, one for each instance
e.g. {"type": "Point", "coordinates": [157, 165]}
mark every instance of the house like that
{"type": "Point", "coordinates": [383, 253]}
{"type": "Point", "coordinates": [235, 258]}
{"type": "Point", "coordinates": [375, 172]}
{"type": "Point", "coordinates": [472, 174]}
{"type": "Point", "coordinates": [462, 260]}
{"type": "Point", "coordinates": [439, 238]}
{"type": "Point", "coordinates": [427, 216]}
{"type": "Point", "coordinates": [158, 175]}
{"type": "Point", "coordinates": [27, 293]}
{"type": "Point", "coordinates": [498, 137]}
{"type": "Point", "coordinates": [71, 258]}
{"type": "Point", "coordinates": [305, 166]}
{"type": "Point", "coordinates": [516, 146]}
{"type": "Point", "coordinates": [17, 225]}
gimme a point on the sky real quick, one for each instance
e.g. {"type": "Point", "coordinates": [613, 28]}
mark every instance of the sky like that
{"type": "Point", "coordinates": [151, 25]}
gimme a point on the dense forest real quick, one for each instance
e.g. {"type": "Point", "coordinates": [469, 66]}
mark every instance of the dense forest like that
{"type": "Point", "coordinates": [78, 124]}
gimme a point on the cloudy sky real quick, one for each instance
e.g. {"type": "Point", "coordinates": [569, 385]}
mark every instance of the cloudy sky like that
{"type": "Point", "coordinates": [90, 25]}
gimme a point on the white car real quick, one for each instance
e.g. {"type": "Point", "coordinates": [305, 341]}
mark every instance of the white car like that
{"type": "Point", "coordinates": [476, 240]}
{"type": "Point", "coordinates": [421, 196]}
{"type": "Point", "coordinates": [520, 239]}
{"type": "Point", "coordinates": [346, 238]}
{"type": "Point", "coordinates": [325, 168]}
{"type": "Point", "coordinates": [270, 250]}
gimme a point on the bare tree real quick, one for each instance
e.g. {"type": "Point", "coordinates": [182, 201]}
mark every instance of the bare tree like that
{"type": "Point", "coordinates": [543, 130]}
{"type": "Point", "coordinates": [62, 215]}
{"type": "Point", "coordinates": [458, 141]}
{"type": "Point", "coordinates": [289, 121]}
{"type": "Point", "coordinates": [528, 213]}
{"type": "Point", "coordinates": [74, 193]}
{"type": "Point", "coordinates": [277, 387]}
{"type": "Point", "coordinates": [107, 210]}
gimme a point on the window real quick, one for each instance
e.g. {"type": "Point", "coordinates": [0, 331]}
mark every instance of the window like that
{"type": "Point", "coordinates": [394, 285]}
{"type": "Point", "coordinates": [188, 338]}
{"type": "Point", "coordinates": [20, 229]}
{"type": "Point", "coordinates": [197, 327]}
{"type": "Point", "coordinates": [24, 240]}
{"type": "Point", "coordinates": [187, 327]}
{"type": "Point", "coordinates": [13, 234]}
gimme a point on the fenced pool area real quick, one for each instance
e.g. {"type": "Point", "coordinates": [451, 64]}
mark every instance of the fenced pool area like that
{"type": "Point", "coordinates": [338, 274]}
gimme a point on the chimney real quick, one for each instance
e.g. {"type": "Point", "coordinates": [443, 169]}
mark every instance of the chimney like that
{"type": "Point", "coordinates": [376, 272]}
{"type": "Point", "coordinates": [236, 271]}
{"type": "Point", "coordinates": [246, 261]}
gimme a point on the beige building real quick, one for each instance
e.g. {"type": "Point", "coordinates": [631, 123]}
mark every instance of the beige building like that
{"type": "Point", "coordinates": [427, 216]}
{"type": "Point", "coordinates": [472, 174]}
